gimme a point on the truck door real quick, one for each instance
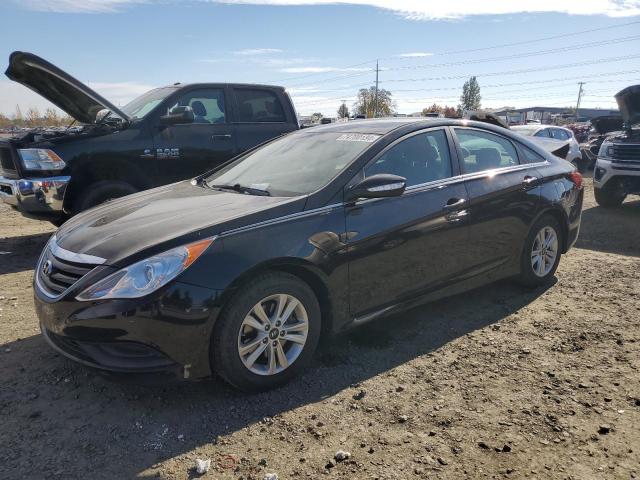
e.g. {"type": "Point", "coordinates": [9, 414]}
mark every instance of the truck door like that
{"type": "Point", "coordinates": [186, 150]}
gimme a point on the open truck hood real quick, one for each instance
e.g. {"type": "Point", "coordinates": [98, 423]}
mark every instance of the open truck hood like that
{"type": "Point", "coordinates": [629, 104]}
{"type": "Point", "coordinates": [607, 123]}
{"type": "Point", "coordinates": [57, 86]}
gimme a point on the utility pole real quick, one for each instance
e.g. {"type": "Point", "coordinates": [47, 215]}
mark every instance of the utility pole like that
{"type": "Point", "coordinates": [375, 98]}
{"type": "Point", "coordinates": [579, 98]}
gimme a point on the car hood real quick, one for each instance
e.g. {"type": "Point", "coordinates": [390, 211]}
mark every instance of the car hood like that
{"type": "Point", "coordinates": [606, 124]}
{"type": "Point", "coordinates": [57, 86]}
{"type": "Point", "coordinates": [156, 220]}
{"type": "Point", "coordinates": [629, 104]}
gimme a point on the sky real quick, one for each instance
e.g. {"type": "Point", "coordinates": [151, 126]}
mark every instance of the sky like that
{"type": "Point", "coordinates": [523, 53]}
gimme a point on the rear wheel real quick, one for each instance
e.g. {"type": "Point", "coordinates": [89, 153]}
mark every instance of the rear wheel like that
{"type": "Point", "coordinates": [267, 333]}
{"type": "Point", "coordinates": [609, 196]}
{"type": "Point", "coordinates": [100, 192]}
{"type": "Point", "coordinates": [541, 252]}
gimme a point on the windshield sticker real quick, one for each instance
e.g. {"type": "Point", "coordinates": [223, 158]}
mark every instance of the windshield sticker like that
{"type": "Point", "coordinates": [358, 137]}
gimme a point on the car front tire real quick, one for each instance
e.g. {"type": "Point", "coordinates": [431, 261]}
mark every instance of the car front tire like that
{"type": "Point", "coordinates": [100, 192]}
{"type": "Point", "coordinates": [267, 333]}
{"type": "Point", "coordinates": [541, 253]}
{"type": "Point", "coordinates": [608, 197]}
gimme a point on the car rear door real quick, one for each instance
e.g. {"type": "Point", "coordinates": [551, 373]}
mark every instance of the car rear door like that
{"type": "Point", "coordinates": [260, 115]}
{"type": "Point", "coordinates": [186, 150]}
{"type": "Point", "coordinates": [400, 247]}
{"type": "Point", "coordinates": [504, 195]}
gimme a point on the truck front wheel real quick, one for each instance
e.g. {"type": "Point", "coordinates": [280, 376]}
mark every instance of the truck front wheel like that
{"type": "Point", "coordinates": [100, 192]}
{"type": "Point", "coordinates": [609, 197]}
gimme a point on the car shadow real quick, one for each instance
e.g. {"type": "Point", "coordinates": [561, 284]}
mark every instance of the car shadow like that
{"type": "Point", "coordinates": [79, 422]}
{"type": "Point", "coordinates": [18, 254]}
{"type": "Point", "coordinates": [611, 230]}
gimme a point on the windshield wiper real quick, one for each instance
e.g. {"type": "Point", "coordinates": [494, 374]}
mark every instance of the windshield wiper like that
{"type": "Point", "coordinates": [239, 188]}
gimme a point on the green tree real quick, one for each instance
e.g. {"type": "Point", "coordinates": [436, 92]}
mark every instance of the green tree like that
{"type": "Point", "coordinates": [343, 111]}
{"type": "Point", "coordinates": [435, 108]}
{"type": "Point", "coordinates": [366, 103]}
{"type": "Point", "coordinates": [470, 98]}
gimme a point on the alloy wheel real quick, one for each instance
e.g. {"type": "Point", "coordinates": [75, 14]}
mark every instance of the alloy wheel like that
{"type": "Point", "coordinates": [273, 334]}
{"type": "Point", "coordinates": [544, 251]}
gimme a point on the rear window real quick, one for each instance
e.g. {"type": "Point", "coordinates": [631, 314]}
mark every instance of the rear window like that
{"type": "Point", "coordinates": [259, 106]}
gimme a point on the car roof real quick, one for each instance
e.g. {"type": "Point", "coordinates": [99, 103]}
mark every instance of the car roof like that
{"type": "Point", "coordinates": [382, 126]}
{"type": "Point", "coordinates": [522, 127]}
{"type": "Point", "coordinates": [222, 84]}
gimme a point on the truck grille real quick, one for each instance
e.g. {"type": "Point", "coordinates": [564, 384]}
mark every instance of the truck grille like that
{"type": "Point", "coordinates": [626, 152]}
{"type": "Point", "coordinates": [56, 275]}
{"type": "Point", "coordinates": [7, 165]}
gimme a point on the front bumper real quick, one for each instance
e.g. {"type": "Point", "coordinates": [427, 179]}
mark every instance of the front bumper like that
{"type": "Point", "coordinates": [166, 332]}
{"type": "Point", "coordinates": [35, 197]}
{"type": "Point", "coordinates": [606, 170]}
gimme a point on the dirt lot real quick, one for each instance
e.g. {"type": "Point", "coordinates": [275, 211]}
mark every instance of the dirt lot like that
{"type": "Point", "coordinates": [499, 383]}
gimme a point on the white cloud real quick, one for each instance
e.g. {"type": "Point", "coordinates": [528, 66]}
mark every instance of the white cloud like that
{"type": "Point", "coordinates": [258, 51]}
{"type": "Point", "coordinates": [410, 9]}
{"type": "Point", "coordinates": [322, 69]}
{"type": "Point", "coordinates": [454, 9]}
{"type": "Point", "coordinates": [415, 55]}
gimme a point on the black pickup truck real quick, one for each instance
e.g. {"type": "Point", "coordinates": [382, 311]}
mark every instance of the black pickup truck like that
{"type": "Point", "coordinates": [165, 135]}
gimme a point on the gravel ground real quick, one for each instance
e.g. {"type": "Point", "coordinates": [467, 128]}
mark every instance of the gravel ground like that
{"type": "Point", "coordinates": [502, 382]}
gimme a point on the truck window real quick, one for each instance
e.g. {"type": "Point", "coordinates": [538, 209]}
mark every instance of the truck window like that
{"type": "Point", "coordinates": [207, 105]}
{"type": "Point", "coordinates": [259, 106]}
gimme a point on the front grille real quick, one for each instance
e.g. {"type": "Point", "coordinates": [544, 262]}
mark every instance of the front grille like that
{"type": "Point", "coordinates": [59, 275]}
{"type": "Point", "coordinates": [7, 164]}
{"type": "Point", "coordinates": [624, 152]}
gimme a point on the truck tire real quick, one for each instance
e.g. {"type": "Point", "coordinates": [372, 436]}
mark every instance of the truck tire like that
{"type": "Point", "coordinates": [100, 192]}
{"type": "Point", "coordinates": [608, 197]}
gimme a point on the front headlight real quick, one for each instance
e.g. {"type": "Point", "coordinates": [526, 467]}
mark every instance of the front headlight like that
{"type": "Point", "coordinates": [146, 276]}
{"type": "Point", "coordinates": [40, 159]}
{"type": "Point", "coordinates": [606, 150]}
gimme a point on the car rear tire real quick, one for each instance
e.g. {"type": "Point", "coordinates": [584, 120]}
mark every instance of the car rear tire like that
{"type": "Point", "coordinates": [541, 253]}
{"type": "Point", "coordinates": [608, 197]}
{"type": "Point", "coordinates": [580, 164]}
{"type": "Point", "coordinates": [267, 333]}
{"type": "Point", "coordinates": [100, 192]}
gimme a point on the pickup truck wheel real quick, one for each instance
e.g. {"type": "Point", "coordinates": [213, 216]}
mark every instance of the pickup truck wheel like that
{"type": "Point", "coordinates": [608, 197]}
{"type": "Point", "coordinates": [100, 192]}
{"type": "Point", "coordinates": [541, 252]}
{"type": "Point", "coordinates": [267, 332]}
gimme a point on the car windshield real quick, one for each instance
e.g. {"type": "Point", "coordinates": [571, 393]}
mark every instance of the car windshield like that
{"type": "Point", "coordinates": [527, 131]}
{"type": "Point", "coordinates": [297, 164]}
{"type": "Point", "coordinates": [140, 106]}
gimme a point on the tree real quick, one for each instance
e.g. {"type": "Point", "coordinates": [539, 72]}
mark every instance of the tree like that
{"type": "Point", "coordinates": [366, 103]}
{"type": "Point", "coordinates": [435, 108]}
{"type": "Point", "coordinates": [316, 117]}
{"type": "Point", "coordinates": [343, 111]}
{"type": "Point", "coordinates": [450, 112]}
{"type": "Point", "coordinates": [470, 98]}
{"type": "Point", "coordinates": [51, 118]}
{"type": "Point", "coordinates": [33, 117]}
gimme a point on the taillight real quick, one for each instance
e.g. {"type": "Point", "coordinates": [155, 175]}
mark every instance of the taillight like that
{"type": "Point", "coordinates": [576, 178]}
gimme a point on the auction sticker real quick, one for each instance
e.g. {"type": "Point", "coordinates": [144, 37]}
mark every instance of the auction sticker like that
{"type": "Point", "coordinates": [358, 137]}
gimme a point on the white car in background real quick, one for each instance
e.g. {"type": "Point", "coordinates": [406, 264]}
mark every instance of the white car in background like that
{"type": "Point", "coordinates": [574, 155]}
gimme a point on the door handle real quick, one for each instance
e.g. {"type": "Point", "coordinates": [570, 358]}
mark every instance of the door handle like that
{"type": "Point", "coordinates": [529, 180]}
{"type": "Point", "coordinates": [454, 203]}
{"type": "Point", "coordinates": [221, 136]}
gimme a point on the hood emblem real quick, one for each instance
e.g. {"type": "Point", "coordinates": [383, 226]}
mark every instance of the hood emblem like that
{"type": "Point", "coordinates": [47, 268]}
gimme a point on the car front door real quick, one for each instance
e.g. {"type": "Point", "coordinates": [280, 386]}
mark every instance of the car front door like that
{"type": "Point", "coordinates": [504, 194]}
{"type": "Point", "coordinates": [400, 247]}
{"type": "Point", "coordinates": [186, 150]}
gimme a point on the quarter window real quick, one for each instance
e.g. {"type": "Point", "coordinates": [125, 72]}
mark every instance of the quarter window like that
{"type": "Point", "coordinates": [207, 105]}
{"type": "Point", "coordinates": [259, 106]}
{"type": "Point", "coordinates": [420, 159]}
{"type": "Point", "coordinates": [483, 151]}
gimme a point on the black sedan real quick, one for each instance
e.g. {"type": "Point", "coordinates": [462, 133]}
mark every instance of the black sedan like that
{"type": "Point", "coordinates": [241, 270]}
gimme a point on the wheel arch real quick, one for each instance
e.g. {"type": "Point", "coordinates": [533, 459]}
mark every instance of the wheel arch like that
{"type": "Point", "coordinates": [305, 271]}
{"type": "Point", "coordinates": [93, 171]}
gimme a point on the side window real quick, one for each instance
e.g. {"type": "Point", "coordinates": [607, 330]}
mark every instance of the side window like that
{"type": "Point", "coordinates": [207, 105]}
{"type": "Point", "coordinates": [530, 156]}
{"type": "Point", "coordinates": [559, 134]}
{"type": "Point", "coordinates": [420, 159]}
{"type": "Point", "coordinates": [485, 151]}
{"type": "Point", "coordinates": [543, 133]}
{"type": "Point", "coordinates": [259, 106]}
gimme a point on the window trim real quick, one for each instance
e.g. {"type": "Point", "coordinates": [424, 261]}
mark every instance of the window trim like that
{"type": "Point", "coordinates": [236, 105]}
{"type": "Point", "coordinates": [513, 143]}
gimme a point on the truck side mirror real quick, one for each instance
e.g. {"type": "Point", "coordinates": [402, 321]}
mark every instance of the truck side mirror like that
{"type": "Point", "coordinates": [178, 115]}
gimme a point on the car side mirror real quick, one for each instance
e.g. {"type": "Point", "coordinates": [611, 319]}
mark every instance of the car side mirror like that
{"type": "Point", "coordinates": [377, 186]}
{"type": "Point", "coordinates": [178, 115]}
